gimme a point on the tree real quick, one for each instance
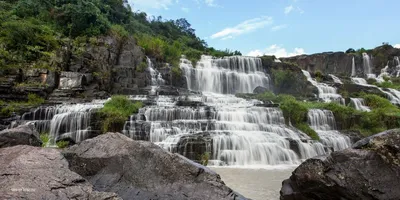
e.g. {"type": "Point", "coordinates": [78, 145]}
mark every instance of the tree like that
{"type": "Point", "coordinates": [350, 50]}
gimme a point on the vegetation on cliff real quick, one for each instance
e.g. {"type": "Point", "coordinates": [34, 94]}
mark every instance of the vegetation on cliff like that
{"type": "Point", "coordinates": [384, 114]}
{"type": "Point", "coordinates": [116, 112]}
{"type": "Point", "coordinates": [31, 32]}
{"type": "Point", "coordinates": [8, 108]}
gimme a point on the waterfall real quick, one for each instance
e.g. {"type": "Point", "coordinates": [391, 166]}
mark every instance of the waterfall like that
{"type": "Point", "coordinates": [230, 75]}
{"type": "Point", "coordinates": [397, 63]}
{"type": "Point", "coordinates": [63, 121]}
{"type": "Point", "coordinates": [367, 63]}
{"type": "Point", "coordinates": [392, 94]}
{"type": "Point", "coordinates": [235, 131]}
{"type": "Point", "coordinates": [156, 77]}
{"type": "Point", "coordinates": [323, 122]}
{"type": "Point", "coordinates": [325, 92]}
{"type": "Point", "coordinates": [358, 104]}
{"type": "Point", "coordinates": [335, 79]}
{"type": "Point", "coordinates": [353, 68]}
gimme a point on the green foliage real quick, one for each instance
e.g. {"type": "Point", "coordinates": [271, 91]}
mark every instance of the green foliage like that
{"type": "Point", "coordinates": [304, 127]}
{"type": "Point", "coordinates": [116, 111]}
{"type": "Point", "coordinates": [293, 110]}
{"type": "Point", "coordinates": [119, 31]}
{"type": "Point", "coordinates": [176, 71]}
{"type": "Point", "coordinates": [142, 67]}
{"type": "Point", "coordinates": [350, 50]}
{"type": "Point", "coordinates": [62, 144]}
{"type": "Point", "coordinates": [45, 138]}
{"type": "Point", "coordinates": [375, 101]}
{"type": "Point", "coordinates": [266, 96]}
{"type": "Point", "coordinates": [388, 84]}
{"type": "Point", "coordinates": [361, 51]}
{"type": "Point", "coordinates": [204, 158]}
{"type": "Point", "coordinates": [14, 107]}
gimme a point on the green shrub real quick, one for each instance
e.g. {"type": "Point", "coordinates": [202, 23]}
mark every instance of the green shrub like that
{"type": "Point", "coordinates": [293, 110]}
{"type": "Point", "coordinates": [266, 96]}
{"type": "Point", "coordinates": [116, 111]}
{"type": "Point", "coordinates": [45, 138]}
{"type": "Point", "coordinates": [375, 101]}
{"type": "Point", "coordinates": [62, 144]}
{"type": "Point", "coordinates": [308, 130]}
{"type": "Point", "coordinates": [204, 158]}
{"type": "Point", "coordinates": [176, 71]}
{"type": "Point", "coordinates": [141, 67]}
{"type": "Point", "coordinates": [119, 31]}
{"type": "Point", "coordinates": [371, 81]}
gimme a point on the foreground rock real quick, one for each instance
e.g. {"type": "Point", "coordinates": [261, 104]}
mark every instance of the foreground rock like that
{"type": "Point", "coordinates": [142, 170]}
{"type": "Point", "coordinates": [368, 170]}
{"type": "Point", "coordinates": [22, 135]}
{"type": "Point", "coordinates": [28, 172]}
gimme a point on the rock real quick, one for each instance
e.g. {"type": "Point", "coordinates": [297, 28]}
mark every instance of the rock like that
{"type": "Point", "coordinates": [28, 172]}
{"type": "Point", "coordinates": [22, 135]}
{"type": "Point", "coordinates": [260, 90]}
{"type": "Point", "coordinates": [142, 170]}
{"type": "Point", "coordinates": [369, 170]}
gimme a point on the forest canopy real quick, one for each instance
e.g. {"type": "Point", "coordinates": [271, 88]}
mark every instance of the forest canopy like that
{"type": "Point", "coordinates": [31, 31]}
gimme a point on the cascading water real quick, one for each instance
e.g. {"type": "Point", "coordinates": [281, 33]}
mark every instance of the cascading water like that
{"type": "Point", "coordinates": [335, 79]}
{"type": "Point", "coordinates": [225, 75]}
{"type": "Point", "coordinates": [234, 131]}
{"type": "Point", "coordinates": [156, 77]}
{"type": "Point", "coordinates": [397, 63]}
{"type": "Point", "coordinates": [63, 121]}
{"type": "Point", "coordinates": [367, 63]}
{"type": "Point", "coordinates": [353, 68]}
{"type": "Point", "coordinates": [392, 94]}
{"type": "Point", "coordinates": [323, 122]}
{"type": "Point", "coordinates": [358, 104]}
{"type": "Point", "coordinates": [325, 92]}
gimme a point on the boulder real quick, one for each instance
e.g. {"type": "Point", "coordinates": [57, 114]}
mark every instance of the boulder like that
{"type": "Point", "coordinates": [369, 170]}
{"type": "Point", "coordinates": [22, 135]}
{"type": "Point", "coordinates": [260, 90]}
{"type": "Point", "coordinates": [28, 172]}
{"type": "Point", "coordinates": [142, 170]}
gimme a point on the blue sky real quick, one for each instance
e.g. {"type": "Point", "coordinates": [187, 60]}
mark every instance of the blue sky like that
{"type": "Point", "coordinates": [285, 27]}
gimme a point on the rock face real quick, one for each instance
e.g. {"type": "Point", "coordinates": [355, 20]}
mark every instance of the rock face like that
{"type": "Point", "coordinates": [141, 170]}
{"type": "Point", "coordinates": [28, 172]}
{"type": "Point", "coordinates": [22, 135]}
{"type": "Point", "coordinates": [368, 170]}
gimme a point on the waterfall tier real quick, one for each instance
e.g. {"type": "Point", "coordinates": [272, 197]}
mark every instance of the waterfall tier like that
{"type": "Point", "coordinates": [228, 75]}
{"type": "Point", "coordinates": [323, 122]}
{"type": "Point", "coordinates": [358, 104]}
{"type": "Point", "coordinates": [325, 92]}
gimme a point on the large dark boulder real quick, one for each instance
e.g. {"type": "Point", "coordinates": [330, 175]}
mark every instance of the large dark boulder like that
{"type": "Point", "coordinates": [142, 170]}
{"type": "Point", "coordinates": [22, 135]}
{"type": "Point", "coordinates": [28, 172]}
{"type": "Point", "coordinates": [369, 170]}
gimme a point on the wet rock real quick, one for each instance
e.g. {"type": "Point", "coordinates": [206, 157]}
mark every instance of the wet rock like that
{"type": "Point", "coordinates": [260, 90]}
{"type": "Point", "coordinates": [22, 135]}
{"type": "Point", "coordinates": [369, 170]}
{"type": "Point", "coordinates": [142, 170]}
{"type": "Point", "coordinates": [28, 172]}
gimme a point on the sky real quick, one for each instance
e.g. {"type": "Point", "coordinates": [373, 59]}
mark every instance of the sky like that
{"type": "Point", "coordinates": [284, 27]}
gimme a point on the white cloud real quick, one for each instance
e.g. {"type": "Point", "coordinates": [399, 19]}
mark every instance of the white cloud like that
{"type": "Point", "coordinates": [301, 11]}
{"type": "Point", "coordinates": [289, 9]}
{"type": "Point", "coordinates": [397, 46]}
{"type": "Point", "coordinates": [278, 51]}
{"type": "Point", "coordinates": [150, 4]}
{"type": "Point", "coordinates": [244, 27]}
{"type": "Point", "coordinates": [278, 27]}
{"type": "Point", "coordinates": [184, 9]}
{"type": "Point", "coordinates": [210, 3]}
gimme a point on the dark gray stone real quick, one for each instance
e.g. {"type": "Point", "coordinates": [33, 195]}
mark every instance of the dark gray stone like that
{"type": "Point", "coordinates": [28, 172]}
{"type": "Point", "coordinates": [372, 171]}
{"type": "Point", "coordinates": [22, 135]}
{"type": "Point", "coordinates": [142, 170]}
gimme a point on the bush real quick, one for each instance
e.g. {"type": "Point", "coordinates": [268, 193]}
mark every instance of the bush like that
{"type": "Point", "coordinates": [141, 67]}
{"type": "Point", "coordinates": [176, 71]}
{"type": "Point", "coordinates": [308, 130]}
{"type": "Point", "coordinates": [204, 158]}
{"type": "Point", "coordinates": [116, 111]}
{"type": "Point", "coordinates": [293, 110]}
{"type": "Point", "coordinates": [45, 138]}
{"type": "Point", "coordinates": [62, 144]}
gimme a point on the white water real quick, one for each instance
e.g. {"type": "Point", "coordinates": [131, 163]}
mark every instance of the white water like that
{"type": "Point", "coordinates": [229, 75]}
{"type": "Point", "coordinates": [353, 68]}
{"type": "Point", "coordinates": [335, 79]}
{"type": "Point", "coordinates": [367, 64]}
{"type": "Point", "coordinates": [234, 130]}
{"type": "Point", "coordinates": [392, 94]}
{"type": "Point", "coordinates": [156, 77]}
{"type": "Point", "coordinates": [66, 120]}
{"type": "Point", "coordinates": [358, 104]}
{"type": "Point", "coordinates": [397, 63]}
{"type": "Point", "coordinates": [323, 122]}
{"type": "Point", "coordinates": [325, 92]}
